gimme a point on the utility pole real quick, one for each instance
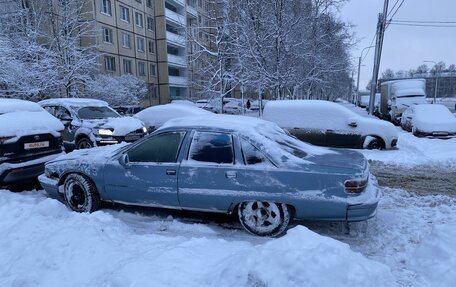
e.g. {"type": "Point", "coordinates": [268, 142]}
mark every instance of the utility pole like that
{"type": "Point", "coordinates": [360, 59]}
{"type": "Point", "coordinates": [378, 54]}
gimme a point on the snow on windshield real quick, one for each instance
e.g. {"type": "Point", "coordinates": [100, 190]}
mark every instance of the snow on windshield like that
{"type": "Point", "coordinates": [93, 112]}
{"type": "Point", "coordinates": [14, 105]}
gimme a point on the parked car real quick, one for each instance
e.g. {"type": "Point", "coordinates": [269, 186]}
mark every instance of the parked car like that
{"type": "Point", "coordinates": [208, 105]}
{"type": "Point", "coordinates": [221, 164]}
{"type": "Point", "coordinates": [330, 124]}
{"type": "Point", "coordinates": [154, 117]}
{"type": "Point", "coordinates": [429, 120]}
{"type": "Point", "coordinates": [128, 110]}
{"type": "Point", "coordinates": [255, 105]}
{"type": "Point", "coordinates": [90, 122]}
{"type": "Point", "coordinates": [233, 107]}
{"type": "Point", "coordinates": [29, 136]}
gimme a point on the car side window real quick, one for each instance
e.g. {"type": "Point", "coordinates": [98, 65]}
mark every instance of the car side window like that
{"type": "Point", "coordinates": [61, 112]}
{"type": "Point", "coordinates": [252, 156]}
{"type": "Point", "coordinates": [159, 148]}
{"type": "Point", "coordinates": [50, 110]}
{"type": "Point", "coordinates": [212, 147]}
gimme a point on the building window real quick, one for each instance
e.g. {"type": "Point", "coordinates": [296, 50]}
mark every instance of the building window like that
{"type": "Point", "coordinates": [140, 44]}
{"type": "Point", "coordinates": [149, 3]}
{"type": "Point", "coordinates": [126, 40]}
{"type": "Point", "coordinates": [141, 69]}
{"type": "Point", "coordinates": [153, 71]}
{"type": "Point", "coordinates": [106, 7]}
{"type": "Point", "coordinates": [138, 19]}
{"type": "Point", "coordinates": [151, 47]}
{"type": "Point", "coordinates": [150, 23]}
{"type": "Point", "coordinates": [124, 13]}
{"type": "Point", "coordinates": [127, 66]}
{"type": "Point", "coordinates": [110, 63]}
{"type": "Point", "coordinates": [107, 35]}
{"type": "Point", "coordinates": [139, 1]}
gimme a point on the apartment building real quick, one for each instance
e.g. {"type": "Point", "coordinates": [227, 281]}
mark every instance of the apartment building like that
{"type": "Point", "coordinates": [147, 38]}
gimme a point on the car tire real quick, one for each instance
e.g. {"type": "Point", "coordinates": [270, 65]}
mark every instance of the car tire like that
{"type": "Point", "coordinates": [264, 218]}
{"type": "Point", "coordinates": [84, 143]}
{"type": "Point", "coordinates": [80, 193]}
{"type": "Point", "coordinates": [373, 143]}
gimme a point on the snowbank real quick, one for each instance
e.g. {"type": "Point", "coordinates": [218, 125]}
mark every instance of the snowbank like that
{"type": "Point", "coordinates": [44, 244]}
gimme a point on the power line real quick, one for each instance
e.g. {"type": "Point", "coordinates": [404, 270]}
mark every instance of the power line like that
{"type": "Point", "coordinates": [394, 14]}
{"type": "Point", "coordinates": [426, 22]}
{"type": "Point", "coordinates": [368, 50]}
{"type": "Point", "coordinates": [397, 1]}
{"type": "Point", "coordinates": [423, 25]}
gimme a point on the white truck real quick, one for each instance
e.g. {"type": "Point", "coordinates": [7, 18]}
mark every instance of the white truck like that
{"type": "Point", "coordinates": [398, 95]}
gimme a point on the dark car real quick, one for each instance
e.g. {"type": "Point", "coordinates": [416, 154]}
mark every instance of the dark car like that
{"type": "Point", "coordinates": [224, 164]}
{"type": "Point", "coordinates": [90, 122]}
{"type": "Point", "coordinates": [29, 137]}
{"type": "Point", "coordinates": [330, 124]}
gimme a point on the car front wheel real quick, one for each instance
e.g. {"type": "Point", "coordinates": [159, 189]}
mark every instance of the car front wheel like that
{"type": "Point", "coordinates": [84, 143]}
{"type": "Point", "coordinates": [80, 193]}
{"type": "Point", "coordinates": [373, 143]}
{"type": "Point", "coordinates": [264, 218]}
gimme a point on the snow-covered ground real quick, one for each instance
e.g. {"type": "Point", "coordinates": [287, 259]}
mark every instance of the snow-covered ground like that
{"type": "Point", "coordinates": [409, 243]}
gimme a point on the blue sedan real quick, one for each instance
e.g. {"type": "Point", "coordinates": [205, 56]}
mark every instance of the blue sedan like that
{"type": "Point", "coordinates": [226, 164]}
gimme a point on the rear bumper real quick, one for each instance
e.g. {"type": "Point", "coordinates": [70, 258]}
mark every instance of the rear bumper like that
{"type": "Point", "coordinates": [11, 173]}
{"type": "Point", "coordinates": [361, 212]}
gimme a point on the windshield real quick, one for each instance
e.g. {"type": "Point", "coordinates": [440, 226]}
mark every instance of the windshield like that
{"type": "Point", "coordinates": [92, 113]}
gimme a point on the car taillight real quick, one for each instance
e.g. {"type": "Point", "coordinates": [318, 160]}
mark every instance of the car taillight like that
{"type": "Point", "coordinates": [356, 185]}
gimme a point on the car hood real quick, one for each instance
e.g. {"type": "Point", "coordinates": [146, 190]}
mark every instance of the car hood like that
{"type": "Point", "coordinates": [92, 155]}
{"type": "Point", "coordinates": [342, 159]}
{"type": "Point", "coordinates": [19, 124]}
{"type": "Point", "coordinates": [121, 126]}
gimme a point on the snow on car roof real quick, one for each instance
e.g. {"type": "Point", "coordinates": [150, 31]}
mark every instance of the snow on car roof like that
{"type": "Point", "coordinates": [16, 105]}
{"type": "Point", "coordinates": [433, 113]}
{"type": "Point", "coordinates": [289, 113]}
{"type": "Point", "coordinates": [266, 135]}
{"type": "Point", "coordinates": [158, 115]}
{"type": "Point", "coordinates": [74, 102]}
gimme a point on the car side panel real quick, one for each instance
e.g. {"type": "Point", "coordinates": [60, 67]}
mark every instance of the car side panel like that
{"type": "Point", "coordinates": [313, 136]}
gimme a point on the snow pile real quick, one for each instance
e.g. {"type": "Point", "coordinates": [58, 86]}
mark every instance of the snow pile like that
{"type": "Point", "coordinates": [302, 258]}
{"type": "Point", "coordinates": [157, 115]}
{"type": "Point", "coordinates": [435, 258]}
{"type": "Point", "coordinates": [432, 118]}
{"type": "Point", "coordinates": [44, 244]}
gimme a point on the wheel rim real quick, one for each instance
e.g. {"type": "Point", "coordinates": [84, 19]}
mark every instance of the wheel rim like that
{"type": "Point", "coordinates": [83, 144]}
{"type": "Point", "coordinates": [75, 195]}
{"type": "Point", "coordinates": [261, 216]}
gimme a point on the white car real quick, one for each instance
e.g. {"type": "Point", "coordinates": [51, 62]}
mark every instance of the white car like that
{"type": "Point", "coordinates": [154, 117]}
{"type": "Point", "coordinates": [233, 107]}
{"type": "Point", "coordinates": [429, 120]}
{"type": "Point", "coordinates": [330, 124]}
{"type": "Point", "coordinates": [90, 122]}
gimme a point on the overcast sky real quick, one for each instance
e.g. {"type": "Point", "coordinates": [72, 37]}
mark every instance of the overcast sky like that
{"type": "Point", "coordinates": [404, 47]}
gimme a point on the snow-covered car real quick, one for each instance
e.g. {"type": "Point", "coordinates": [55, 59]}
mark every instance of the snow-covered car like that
{"type": "Point", "coordinates": [154, 117]}
{"type": "Point", "coordinates": [29, 137]}
{"type": "Point", "coordinates": [330, 124]}
{"type": "Point", "coordinates": [233, 107]}
{"type": "Point", "coordinates": [90, 122]}
{"type": "Point", "coordinates": [208, 105]}
{"type": "Point", "coordinates": [128, 110]}
{"type": "Point", "coordinates": [255, 105]}
{"type": "Point", "coordinates": [429, 120]}
{"type": "Point", "coordinates": [221, 164]}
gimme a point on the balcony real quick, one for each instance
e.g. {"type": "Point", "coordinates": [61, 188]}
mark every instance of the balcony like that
{"type": "Point", "coordinates": [177, 81]}
{"type": "Point", "coordinates": [178, 61]}
{"type": "Point", "coordinates": [179, 2]}
{"type": "Point", "coordinates": [192, 11]}
{"type": "Point", "coordinates": [174, 17]}
{"type": "Point", "coordinates": [176, 39]}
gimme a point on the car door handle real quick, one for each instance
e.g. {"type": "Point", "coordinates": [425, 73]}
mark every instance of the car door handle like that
{"type": "Point", "coordinates": [171, 172]}
{"type": "Point", "coordinates": [230, 174]}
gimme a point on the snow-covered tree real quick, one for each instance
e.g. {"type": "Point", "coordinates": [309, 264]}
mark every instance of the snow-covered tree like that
{"type": "Point", "coordinates": [117, 91]}
{"type": "Point", "coordinates": [388, 74]}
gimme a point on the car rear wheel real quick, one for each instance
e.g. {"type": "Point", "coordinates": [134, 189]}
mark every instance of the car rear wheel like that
{"type": "Point", "coordinates": [80, 193]}
{"type": "Point", "coordinates": [264, 218]}
{"type": "Point", "coordinates": [84, 143]}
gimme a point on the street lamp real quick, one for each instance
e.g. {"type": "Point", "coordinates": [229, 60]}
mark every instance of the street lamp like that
{"type": "Point", "coordinates": [359, 72]}
{"type": "Point", "coordinates": [436, 80]}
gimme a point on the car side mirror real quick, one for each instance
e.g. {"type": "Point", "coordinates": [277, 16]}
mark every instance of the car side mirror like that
{"type": "Point", "coordinates": [353, 124]}
{"type": "Point", "coordinates": [66, 120]}
{"type": "Point", "coordinates": [124, 160]}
